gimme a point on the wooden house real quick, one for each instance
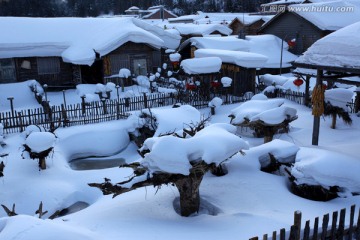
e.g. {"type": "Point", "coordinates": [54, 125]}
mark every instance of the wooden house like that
{"type": "Point", "coordinates": [306, 27]}
{"type": "Point", "coordinates": [68, 51]}
{"type": "Point", "coordinates": [154, 12]}
{"type": "Point", "coordinates": [336, 57]}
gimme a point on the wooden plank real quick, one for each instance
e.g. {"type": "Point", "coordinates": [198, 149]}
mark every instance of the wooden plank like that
{"type": "Point", "coordinates": [340, 233]}
{"type": "Point", "coordinates": [297, 223]}
{"type": "Point", "coordinates": [293, 232]}
{"type": "Point", "coordinates": [324, 226]}
{"type": "Point", "coordinates": [282, 234]}
{"type": "Point", "coordinates": [306, 235]}
{"type": "Point", "coordinates": [333, 226]}
{"type": "Point", "coordinates": [351, 224]}
{"type": "Point", "coordinates": [357, 231]}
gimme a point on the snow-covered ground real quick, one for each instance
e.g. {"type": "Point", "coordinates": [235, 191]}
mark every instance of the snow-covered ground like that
{"type": "Point", "coordinates": [244, 203]}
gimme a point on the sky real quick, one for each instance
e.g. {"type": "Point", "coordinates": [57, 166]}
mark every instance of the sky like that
{"type": "Point", "coordinates": [242, 204]}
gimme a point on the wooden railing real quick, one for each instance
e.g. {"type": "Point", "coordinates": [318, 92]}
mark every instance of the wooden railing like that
{"type": "Point", "coordinates": [337, 229]}
{"type": "Point", "coordinates": [51, 117]}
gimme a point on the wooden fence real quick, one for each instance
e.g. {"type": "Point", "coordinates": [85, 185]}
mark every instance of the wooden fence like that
{"type": "Point", "coordinates": [51, 117]}
{"type": "Point", "coordinates": [337, 229]}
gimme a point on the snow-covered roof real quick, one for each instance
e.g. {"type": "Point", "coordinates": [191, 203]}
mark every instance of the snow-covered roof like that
{"type": "Point", "coordinates": [267, 45]}
{"type": "Point", "coordinates": [76, 39]}
{"type": "Point", "coordinates": [239, 58]}
{"type": "Point", "coordinates": [338, 49]}
{"type": "Point", "coordinates": [185, 18]}
{"type": "Point", "coordinates": [201, 65]}
{"type": "Point", "coordinates": [331, 15]}
{"type": "Point", "coordinates": [200, 29]}
{"type": "Point", "coordinates": [282, 2]}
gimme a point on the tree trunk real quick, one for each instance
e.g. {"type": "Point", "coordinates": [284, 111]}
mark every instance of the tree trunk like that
{"type": "Point", "coordinates": [189, 193]}
{"type": "Point", "coordinates": [42, 163]}
{"type": "Point", "coordinates": [333, 122]}
{"type": "Point", "coordinates": [268, 134]}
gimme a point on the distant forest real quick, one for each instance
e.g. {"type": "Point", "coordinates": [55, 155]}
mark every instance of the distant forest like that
{"type": "Point", "coordinates": [87, 8]}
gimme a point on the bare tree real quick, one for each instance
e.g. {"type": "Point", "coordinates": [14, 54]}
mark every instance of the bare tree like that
{"type": "Point", "coordinates": [188, 185]}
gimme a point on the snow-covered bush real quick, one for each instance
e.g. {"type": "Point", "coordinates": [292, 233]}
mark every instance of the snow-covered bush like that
{"type": "Point", "coordinates": [266, 117]}
{"type": "Point", "coordinates": [226, 81]}
{"type": "Point", "coordinates": [37, 89]}
{"type": "Point", "coordinates": [124, 73]}
{"type": "Point", "coordinates": [214, 103]}
{"type": "Point", "coordinates": [143, 81]}
{"type": "Point", "coordinates": [104, 90]}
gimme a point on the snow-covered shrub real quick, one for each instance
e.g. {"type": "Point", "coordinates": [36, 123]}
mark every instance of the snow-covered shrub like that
{"type": "Point", "coordinates": [124, 73]}
{"type": "Point", "coordinates": [37, 89]}
{"type": "Point", "coordinates": [38, 145]}
{"type": "Point", "coordinates": [214, 103]}
{"type": "Point", "coordinates": [104, 90]}
{"type": "Point", "coordinates": [143, 81]}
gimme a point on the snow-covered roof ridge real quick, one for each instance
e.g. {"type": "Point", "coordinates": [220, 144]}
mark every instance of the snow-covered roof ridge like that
{"type": "Point", "coordinates": [338, 49]}
{"type": "Point", "coordinates": [74, 39]}
{"type": "Point", "coordinates": [267, 45]}
{"type": "Point", "coordinates": [239, 58]}
{"type": "Point", "coordinates": [330, 15]}
{"type": "Point", "coordinates": [201, 29]}
{"type": "Point", "coordinates": [203, 65]}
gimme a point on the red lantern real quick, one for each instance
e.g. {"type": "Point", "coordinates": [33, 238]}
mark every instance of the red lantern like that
{"type": "Point", "coordinates": [175, 65]}
{"type": "Point", "coordinates": [190, 87]}
{"type": "Point", "coordinates": [298, 82]}
{"type": "Point", "coordinates": [215, 84]}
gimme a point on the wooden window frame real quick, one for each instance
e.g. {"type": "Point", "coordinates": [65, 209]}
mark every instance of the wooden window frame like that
{"type": "Point", "coordinates": [48, 65]}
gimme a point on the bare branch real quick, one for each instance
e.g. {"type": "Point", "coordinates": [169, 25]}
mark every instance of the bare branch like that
{"type": "Point", "coordinates": [9, 212]}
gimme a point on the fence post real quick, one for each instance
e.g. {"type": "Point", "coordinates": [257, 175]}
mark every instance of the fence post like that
{"type": "Point", "coordinates": [297, 223]}
{"type": "Point", "coordinates": [104, 105]}
{"type": "Point", "coordinates": [83, 104]}
{"type": "Point", "coordinates": [64, 115]}
{"type": "Point", "coordinates": [145, 101]}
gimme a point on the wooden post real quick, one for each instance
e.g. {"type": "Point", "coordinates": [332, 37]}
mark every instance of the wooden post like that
{"type": "Point", "coordinates": [145, 101]}
{"type": "Point", "coordinates": [316, 125]}
{"type": "Point", "coordinates": [297, 223]}
{"type": "Point", "coordinates": [316, 226]}
{"type": "Point", "coordinates": [83, 107]}
{"type": "Point", "coordinates": [324, 226]}
{"type": "Point", "coordinates": [351, 226]}
{"type": "Point", "coordinates": [307, 95]}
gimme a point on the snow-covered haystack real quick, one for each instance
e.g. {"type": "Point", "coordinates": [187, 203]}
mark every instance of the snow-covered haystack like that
{"type": "Point", "coordinates": [336, 105]}
{"type": "Point", "coordinates": [339, 97]}
{"type": "Point", "coordinates": [266, 117]}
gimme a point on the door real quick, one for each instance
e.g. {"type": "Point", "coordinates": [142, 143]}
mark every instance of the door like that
{"type": "Point", "coordinates": [7, 70]}
{"type": "Point", "coordinates": [140, 66]}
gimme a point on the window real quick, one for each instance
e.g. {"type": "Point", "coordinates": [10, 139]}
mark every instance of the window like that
{"type": "Point", "coordinates": [140, 66]}
{"type": "Point", "coordinates": [48, 65]}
